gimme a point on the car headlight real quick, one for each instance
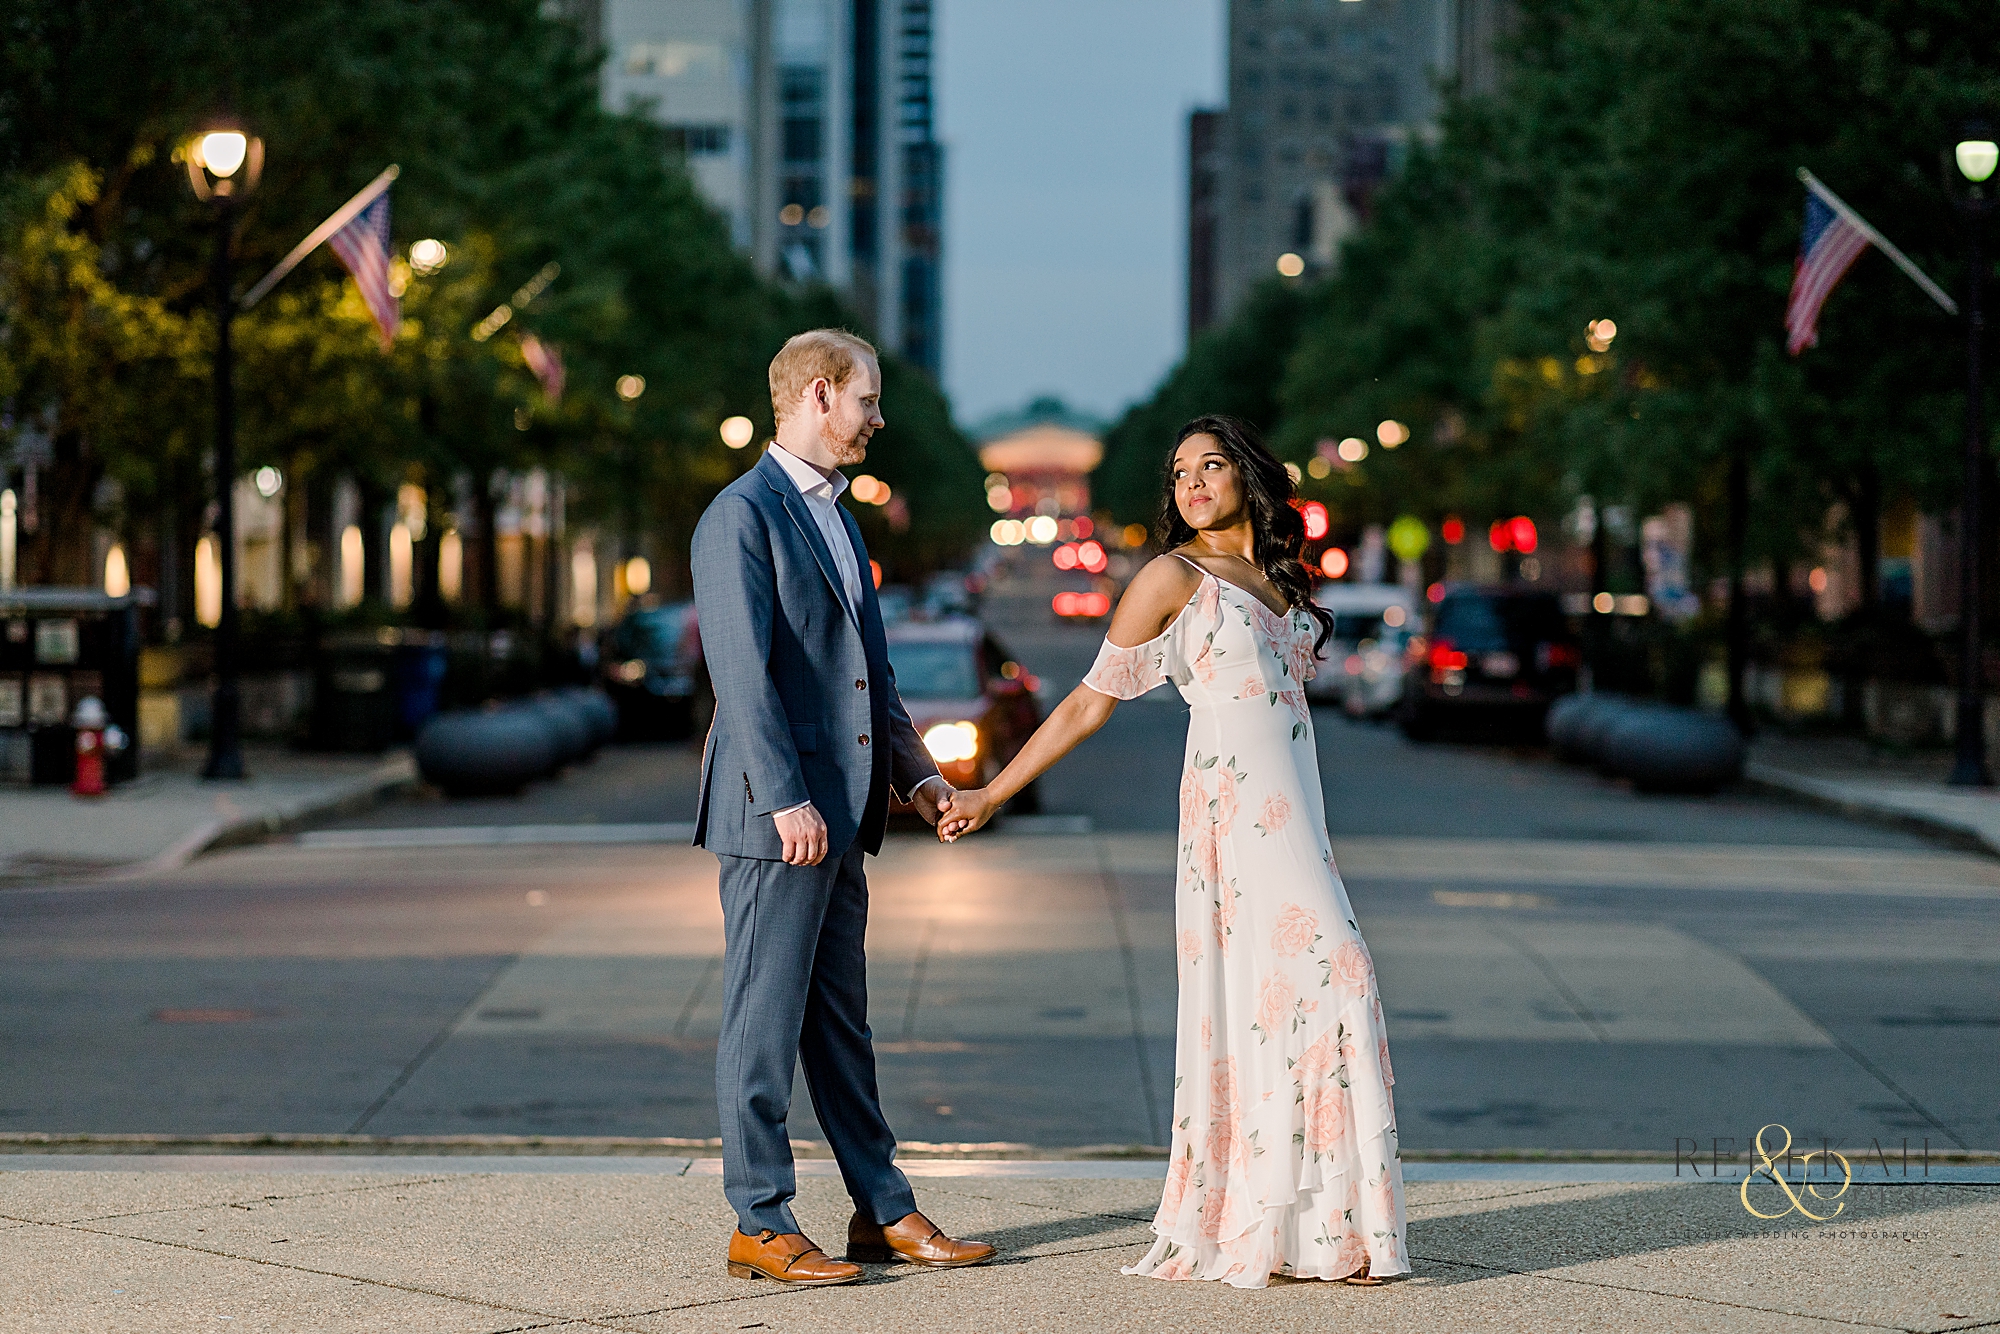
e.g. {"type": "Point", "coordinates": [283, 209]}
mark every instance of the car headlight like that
{"type": "Point", "coordinates": [952, 741]}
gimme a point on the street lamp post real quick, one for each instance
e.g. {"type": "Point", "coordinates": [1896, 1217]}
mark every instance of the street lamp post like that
{"type": "Point", "coordinates": [214, 160]}
{"type": "Point", "coordinates": [1976, 156]}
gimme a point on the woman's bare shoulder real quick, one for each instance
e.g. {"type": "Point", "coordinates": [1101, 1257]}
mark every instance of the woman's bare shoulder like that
{"type": "Point", "coordinates": [1153, 599]}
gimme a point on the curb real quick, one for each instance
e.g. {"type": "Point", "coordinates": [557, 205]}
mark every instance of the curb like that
{"type": "Point", "coordinates": [1841, 799]}
{"type": "Point", "coordinates": [28, 1143]}
{"type": "Point", "coordinates": [398, 773]}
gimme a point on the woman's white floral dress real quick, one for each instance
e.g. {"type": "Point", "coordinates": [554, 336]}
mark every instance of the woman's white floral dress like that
{"type": "Point", "coordinates": [1284, 1140]}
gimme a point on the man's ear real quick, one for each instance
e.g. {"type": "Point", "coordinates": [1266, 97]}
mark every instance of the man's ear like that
{"type": "Point", "coordinates": [822, 395]}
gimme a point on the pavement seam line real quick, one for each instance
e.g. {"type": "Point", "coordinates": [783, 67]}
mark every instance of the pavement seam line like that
{"type": "Point", "coordinates": [708, 971]}
{"type": "Point", "coordinates": [328, 1273]}
{"type": "Point", "coordinates": [1029, 1204]}
{"type": "Point", "coordinates": [1854, 1054]}
{"type": "Point", "coordinates": [1510, 1195]}
{"type": "Point", "coordinates": [917, 970]}
{"type": "Point", "coordinates": [1570, 998]}
{"type": "Point", "coordinates": [233, 1204]}
{"type": "Point", "coordinates": [1108, 877]}
{"type": "Point", "coordinates": [431, 1048]}
{"type": "Point", "coordinates": [1649, 1292]}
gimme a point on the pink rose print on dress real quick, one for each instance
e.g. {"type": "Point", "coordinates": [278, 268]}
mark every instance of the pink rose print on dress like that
{"type": "Point", "coordinates": [1211, 598]}
{"type": "Point", "coordinates": [1294, 931]}
{"type": "Point", "coordinates": [1225, 1125]}
{"type": "Point", "coordinates": [1385, 1199]}
{"type": "Point", "coordinates": [1192, 803]}
{"type": "Point", "coordinates": [1352, 965]}
{"type": "Point", "coordinates": [1277, 813]}
{"type": "Point", "coordinates": [1225, 916]}
{"type": "Point", "coordinates": [1382, 1053]}
{"type": "Point", "coordinates": [1350, 1255]}
{"type": "Point", "coordinates": [1121, 672]}
{"type": "Point", "coordinates": [1275, 1001]}
{"type": "Point", "coordinates": [1225, 799]}
{"type": "Point", "coordinates": [1190, 947]}
{"type": "Point", "coordinates": [1177, 1183]}
{"type": "Point", "coordinates": [1295, 700]}
{"type": "Point", "coordinates": [1252, 688]}
{"type": "Point", "coordinates": [1326, 1116]}
{"type": "Point", "coordinates": [1316, 1061]}
{"type": "Point", "coordinates": [1180, 1266]}
{"type": "Point", "coordinates": [1207, 1032]}
{"type": "Point", "coordinates": [1207, 853]}
{"type": "Point", "coordinates": [1204, 664]}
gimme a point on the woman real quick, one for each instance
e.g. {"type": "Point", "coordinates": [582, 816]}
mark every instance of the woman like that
{"type": "Point", "coordinates": [1284, 1153]}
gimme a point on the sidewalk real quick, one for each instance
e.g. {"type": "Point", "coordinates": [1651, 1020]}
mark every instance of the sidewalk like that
{"type": "Point", "coordinates": [432, 1250]}
{"type": "Point", "coordinates": [169, 816]}
{"type": "Point", "coordinates": [1848, 775]}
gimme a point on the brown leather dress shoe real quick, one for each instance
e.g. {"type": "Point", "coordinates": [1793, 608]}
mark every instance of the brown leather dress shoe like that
{"type": "Point", "coordinates": [914, 1240]}
{"type": "Point", "coordinates": [789, 1257]}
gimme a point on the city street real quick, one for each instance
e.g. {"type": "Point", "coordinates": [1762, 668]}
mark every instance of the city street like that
{"type": "Point", "coordinates": [1566, 965]}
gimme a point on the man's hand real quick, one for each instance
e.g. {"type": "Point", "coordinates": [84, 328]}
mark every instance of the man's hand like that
{"type": "Point", "coordinates": [933, 800]}
{"type": "Point", "coordinates": [804, 834]}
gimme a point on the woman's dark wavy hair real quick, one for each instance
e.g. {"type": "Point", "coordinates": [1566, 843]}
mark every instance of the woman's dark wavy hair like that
{"type": "Point", "coordinates": [1279, 530]}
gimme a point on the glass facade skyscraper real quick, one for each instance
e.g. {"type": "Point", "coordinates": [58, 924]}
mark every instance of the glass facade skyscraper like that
{"type": "Point", "coordinates": [809, 124]}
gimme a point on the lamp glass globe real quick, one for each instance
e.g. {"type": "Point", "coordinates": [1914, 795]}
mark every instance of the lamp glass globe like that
{"type": "Point", "coordinates": [222, 151]}
{"type": "Point", "coordinates": [1977, 159]}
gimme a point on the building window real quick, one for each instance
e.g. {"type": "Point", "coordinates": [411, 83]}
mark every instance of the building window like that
{"type": "Point", "coordinates": [699, 140]}
{"type": "Point", "coordinates": [803, 97]}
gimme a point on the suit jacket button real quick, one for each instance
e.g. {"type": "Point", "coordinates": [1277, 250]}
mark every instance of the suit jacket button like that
{"type": "Point", "coordinates": [864, 738]}
{"type": "Point", "coordinates": [860, 685]}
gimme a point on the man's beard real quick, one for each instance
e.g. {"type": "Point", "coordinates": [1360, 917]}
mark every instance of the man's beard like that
{"type": "Point", "coordinates": [845, 449]}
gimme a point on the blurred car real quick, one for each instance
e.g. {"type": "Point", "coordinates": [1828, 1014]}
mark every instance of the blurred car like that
{"type": "Point", "coordinates": [1501, 652]}
{"type": "Point", "coordinates": [897, 601]}
{"type": "Point", "coordinates": [652, 668]}
{"type": "Point", "coordinates": [952, 593]}
{"type": "Point", "coordinates": [973, 705]}
{"type": "Point", "coordinates": [1371, 677]}
{"type": "Point", "coordinates": [1361, 612]}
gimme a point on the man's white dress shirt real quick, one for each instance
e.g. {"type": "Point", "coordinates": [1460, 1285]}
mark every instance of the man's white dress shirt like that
{"type": "Point", "coordinates": [822, 495]}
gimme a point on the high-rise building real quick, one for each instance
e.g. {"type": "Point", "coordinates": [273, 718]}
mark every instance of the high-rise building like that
{"type": "Point", "coordinates": [1325, 97]}
{"type": "Point", "coordinates": [809, 124]}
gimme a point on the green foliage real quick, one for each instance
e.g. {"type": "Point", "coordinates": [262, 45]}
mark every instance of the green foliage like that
{"type": "Point", "coordinates": [1640, 165]}
{"type": "Point", "coordinates": [492, 113]}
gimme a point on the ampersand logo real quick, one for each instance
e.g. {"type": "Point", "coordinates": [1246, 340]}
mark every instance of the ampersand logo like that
{"type": "Point", "coordinates": [1767, 1168]}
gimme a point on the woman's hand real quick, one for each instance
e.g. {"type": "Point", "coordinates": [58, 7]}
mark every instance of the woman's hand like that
{"type": "Point", "coordinates": [970, 809]}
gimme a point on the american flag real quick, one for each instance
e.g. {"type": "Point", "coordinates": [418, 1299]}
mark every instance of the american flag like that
{"type": "Point", "coordinates": [547, 365]}
{"type": "Point", "coordinates": [1831, 244]}
{"type": "Point", "coordinates": [363, 246]}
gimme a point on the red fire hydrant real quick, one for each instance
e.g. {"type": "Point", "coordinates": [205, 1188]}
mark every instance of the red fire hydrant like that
{"type": "Point", "coordinates": [96, 737]}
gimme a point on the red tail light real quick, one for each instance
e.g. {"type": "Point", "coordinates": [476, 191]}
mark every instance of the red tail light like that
{"type": "Point", "coordinates": [1444, 658]}
{"type": "Point", "coordinates": [1563, 655]}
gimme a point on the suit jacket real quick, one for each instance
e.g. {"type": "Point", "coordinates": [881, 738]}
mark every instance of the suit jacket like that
{"type": "Point", "coordinates": [805, 700]}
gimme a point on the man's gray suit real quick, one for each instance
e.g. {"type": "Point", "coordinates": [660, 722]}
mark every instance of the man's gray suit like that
{"type": "Point", "coordinates": [805, 710]}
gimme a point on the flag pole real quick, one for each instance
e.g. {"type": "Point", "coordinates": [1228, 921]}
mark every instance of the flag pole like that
{"type": "Point", "coordinates": [341, 217]}
{"type": "Point", "coordinates": [1879, 241]}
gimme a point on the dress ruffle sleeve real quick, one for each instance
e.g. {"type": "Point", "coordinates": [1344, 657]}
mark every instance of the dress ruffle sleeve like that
{"type": "Point", "coordinates": [1127, 673]}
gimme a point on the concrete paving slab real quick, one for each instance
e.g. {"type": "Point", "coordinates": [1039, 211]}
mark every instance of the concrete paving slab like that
{"type": "Point", "coordinates": [643, 1253]}
{"type": "Point", "coordinates": [1531, 978]}
{"type": "Point", "coordinates": [68, 1279]}
{"type": "Point", "coordinates": [36, 1190]}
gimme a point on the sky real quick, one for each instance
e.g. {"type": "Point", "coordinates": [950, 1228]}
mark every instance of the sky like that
{"type": "Point", "coordinates": [1065, 126]}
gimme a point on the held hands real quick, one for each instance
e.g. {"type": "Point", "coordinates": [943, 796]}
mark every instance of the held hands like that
{"type": "Point", "coordinates": [933, 800]}
{"type": "Point", "coordinates": [970, 810]}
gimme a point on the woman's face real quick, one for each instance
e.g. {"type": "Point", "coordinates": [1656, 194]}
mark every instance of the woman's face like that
{"type": "Point", "coordinates": [1207, 490]}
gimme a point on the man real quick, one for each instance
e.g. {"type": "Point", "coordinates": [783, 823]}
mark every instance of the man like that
{"type": "Point", "coordinates": [809, 738]}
